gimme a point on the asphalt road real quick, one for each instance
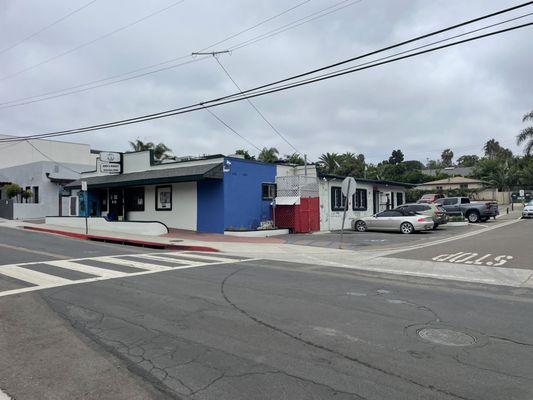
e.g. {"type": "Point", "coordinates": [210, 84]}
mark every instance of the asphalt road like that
{"type": "Point", "coordinates": [508, 246]}
{"type": "Point", "coordinates": [259, 329]}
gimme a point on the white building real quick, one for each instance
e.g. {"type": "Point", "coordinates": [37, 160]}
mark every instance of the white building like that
{"type": "Point", "coordinates": [42, 167]}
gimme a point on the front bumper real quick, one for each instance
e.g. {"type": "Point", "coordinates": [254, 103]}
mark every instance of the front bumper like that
{"type": "Point", "coordinates": [527, 214]}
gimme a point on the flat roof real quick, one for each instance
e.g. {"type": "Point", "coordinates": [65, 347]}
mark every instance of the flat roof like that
{"type": "Point", "coordinates": [374, 181]}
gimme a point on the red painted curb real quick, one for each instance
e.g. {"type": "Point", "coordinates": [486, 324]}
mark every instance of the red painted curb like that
{"type": "Point", "coordinates": [112, 239]}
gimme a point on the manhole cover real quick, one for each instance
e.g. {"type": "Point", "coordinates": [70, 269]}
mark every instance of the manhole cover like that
{"type": "Point", "coordinates": [446, 337]}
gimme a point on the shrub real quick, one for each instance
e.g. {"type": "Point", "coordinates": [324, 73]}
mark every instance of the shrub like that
{"type": "Point", "coordinates": [12, 190]}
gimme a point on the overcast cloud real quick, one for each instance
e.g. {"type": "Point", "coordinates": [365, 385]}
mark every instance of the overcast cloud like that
{"type": "Point", "coordinates": [457, 98]}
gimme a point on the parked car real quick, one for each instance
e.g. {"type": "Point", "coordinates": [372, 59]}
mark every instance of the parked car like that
{"type": "Point", "coordinates": [439, 214]}
{"type": "Point", "coordinates": [472, 211]}
{"type": "Point", "coordinates": [394, 220]}
{"type": "Point", "coordinates": [527, 212]}
{"type": "Point", "coordinates": [430, 198]}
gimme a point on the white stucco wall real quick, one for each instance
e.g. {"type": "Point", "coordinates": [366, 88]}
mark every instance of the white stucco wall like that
{"type": "Point", "coordinates": [20, 153]}
{"type": "Point", "coordinates": [184, 207]}
{"type": "Point", "coordinates": [332, 220]}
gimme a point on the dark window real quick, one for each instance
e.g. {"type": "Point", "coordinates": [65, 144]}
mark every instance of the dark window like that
{"type": "Point", "coordinates": [269, 191]}
{"type": "Point", "coordinates": [463, 185]}
{"type": "Point", "coordinates": [36, 194]}
{"type": "Point", "coordinates": [135, 199]}
{"type": "Point", "coordinates": [390, 213]}
{"type": "Point", "coordinates": [338, 200]}
{"type": "Point", "coordinates": [102, 194]}
{"type": "Point", "coordinates": [448, 202]}
{"type": "Point", "coordinates": [399, 198]}
{"type": "Point", "coordinates": [439, 188]}
{"type": "Point", "coordinates": [73, 202]}
{"type": "Point", "coordinates": [359, 201]}
{"type": "Point", "coordinates": [465, 200]}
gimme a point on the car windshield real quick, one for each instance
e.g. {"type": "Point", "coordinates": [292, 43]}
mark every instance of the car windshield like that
{"type": "Point", "coordinates": [530, 203]}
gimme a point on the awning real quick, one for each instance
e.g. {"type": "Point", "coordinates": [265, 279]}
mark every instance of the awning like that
{"type": "Point", "coordinates": [153, 177]}
{"type": "Point", "coordinates": [287, 200]}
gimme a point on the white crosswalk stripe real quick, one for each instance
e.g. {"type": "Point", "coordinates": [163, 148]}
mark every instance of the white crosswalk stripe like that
{"type": "Point", "coordinates": [33, 277]}
{"type": "Point", "coordinates": [149, 263]}
{"type": "Point", "coordinates": [132, 263]}
{"type": "Point", "coordinates": [103, 272]}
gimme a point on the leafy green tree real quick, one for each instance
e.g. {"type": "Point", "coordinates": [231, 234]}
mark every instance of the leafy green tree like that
{"type": "Point", "coordinates": [468, 160]}
{"type": "Point", "coordinates": [329, 162]}
{"type": "Point", "coordinates": [413, 165]}
{"type": "Point", "coordinates": [526, 136]}
{"type": "Point", "coordinates": [525, 172]}
{"type": "Point", "coordinates": [12, 190]}
{"type": "Point", "coordinates": [447, 158]}
{"type": "Point", "coordinates": [294, 158]}
{"type": "Point", "coordinates": [269, 155]}
{"type": "Point", "coordinates": [396, 157]}
{"type": "Point", "coordinates": [245, 154]}
{"type": "Point", "coordinates": [351, 164]}
{"type": "Point", "coordinates": [434, 164]}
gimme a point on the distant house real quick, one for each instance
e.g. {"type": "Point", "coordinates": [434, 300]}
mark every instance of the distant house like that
{"type": "Point", "coordinates": [456, 182]}
{"type": "Point", "coordinates": [452, 171]}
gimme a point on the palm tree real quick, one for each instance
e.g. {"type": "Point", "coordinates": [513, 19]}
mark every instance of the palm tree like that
{"type": "Point", "coordinates": [330, 162]}
{"type": "Point", "coordinates": [492, 148]}
{"type": "Point", "coordinates": [294, 158]}
{"type": "Point", "coordinates": [139, 145]}
{"type": "Point", "coordinates": [447, 157]}
{"type": "Point", "coordinates": [161, 151]}
{"type": "Point", "coordinates": [526, 136]}
{"type": "Point", "coordinates": [269, 155]}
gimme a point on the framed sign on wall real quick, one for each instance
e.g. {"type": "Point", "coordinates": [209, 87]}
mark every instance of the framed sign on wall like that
{"type": "Point", "coordinates": [163, 198]}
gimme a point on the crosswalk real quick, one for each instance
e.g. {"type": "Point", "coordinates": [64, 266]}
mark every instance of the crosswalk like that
{"type": "Point", "coordinates": [27, 277]}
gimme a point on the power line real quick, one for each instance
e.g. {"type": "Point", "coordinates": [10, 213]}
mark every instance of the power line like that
{"type": "Point", "coordinates": [308, 18]}
{"type": "Point", "coordinates": [50, 159]}
{"type": "Point", "coordinates": [129, 25]}
{"type": "Point", "coordinates": [52, 94]}
{"type": "Point", "coordinates": [254, 106]}
{"type": "Point", "coordinates": [57, 21]}
{"type": "Point", "coordinates": [230, 128]}
{"type": "Point", "coordinates": [254, 93]}
{"type": "Point", "coordinates": [256, 25]}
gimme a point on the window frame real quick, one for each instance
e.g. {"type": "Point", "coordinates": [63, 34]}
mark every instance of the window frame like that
{"type": "Point", "coordinates": [334, 197]}
{"type": "Point", "coordinates": [270, 187]}
{"type": "Point", "coordinates": [131, 194]}
{"type": "Point", "coordinates": [362, 198]}
{"type": "Point", "coordinates": [157, 189]}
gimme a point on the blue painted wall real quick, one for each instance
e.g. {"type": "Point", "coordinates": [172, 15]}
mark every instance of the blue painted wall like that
{"type": "Point", "coordinates": [244, 207]}
{"type": "Point", "coordinates": [210, 206]}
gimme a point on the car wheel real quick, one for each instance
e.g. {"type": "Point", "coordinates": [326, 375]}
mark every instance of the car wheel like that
{"type": "Point", "coordinates": [472, 217]}
{"type": "Point", "coordinates": [435, 226]}
{"type": "Point", "coordinates": [360, 226]}
{"type": "Point", "coordinates": [407, 228]}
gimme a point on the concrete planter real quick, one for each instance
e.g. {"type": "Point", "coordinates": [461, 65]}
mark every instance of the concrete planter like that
{"type": "Point", "coordinates": [258, 233]}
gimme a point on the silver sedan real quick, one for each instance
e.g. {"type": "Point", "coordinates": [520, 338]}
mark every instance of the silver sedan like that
{"type": "Point", "coordinates": [394, 220]}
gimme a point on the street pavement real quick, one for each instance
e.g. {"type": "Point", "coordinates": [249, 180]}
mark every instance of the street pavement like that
{"type": "Point", "coordinates": [166, 325]}
{"type": "Point", "coordinates": [509, 246]}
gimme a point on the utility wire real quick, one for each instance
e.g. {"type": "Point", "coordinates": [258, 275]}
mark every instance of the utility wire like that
{"type": "Point", "coordinates": [256, 25]}
{"type": "Point", "coordinates": [57, 21]}
{"type": "Point", "coordinates": [129, 25]}
{"type": "Point", "coordinates": [50, 159]}
{"type": "Point", "coordinates": [69, 91]}
{"type": "Point", "coordinates": [251, 93]}
{"type": "Point", "coordinates": [254, 106]}
{"type": "Point", "coordinates": [294, 24]}
{"type": "Point", "coordinates": [230, 128]}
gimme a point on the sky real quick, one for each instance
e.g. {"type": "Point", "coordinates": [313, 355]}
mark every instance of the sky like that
{"type": "Point", "coordinates": [457, 98]}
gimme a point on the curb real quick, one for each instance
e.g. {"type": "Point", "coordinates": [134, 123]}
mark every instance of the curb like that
{"type": "Point", "coordinates": [124, 241]}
